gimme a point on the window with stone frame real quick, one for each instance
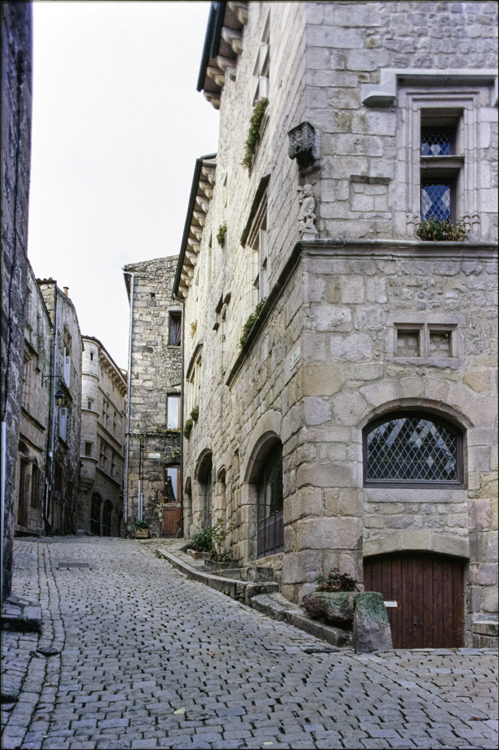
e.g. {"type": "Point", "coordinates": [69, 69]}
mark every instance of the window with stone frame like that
{"type": "Point", "coordinates": [36, 499]}
{"type": "Point", "coordinates": [412, 448]}
{"type": "Point", "coordinates": [174, 328]}
{"type": "Point", "coordinates": [88, 448]}
{"type": "Point", "coordinates": [172, 484]}
{"type": "Point", "coordinates": [441, 163]}
{"type": "Point", "coordinates": [173, 411]}
{"type": "Point", "coordinates": [257, 260]}
{"type": "Point", "coordinates": [261, 71]}
{"type": "Point", "coordinates": [27, 381]}
{"type": "Point", "coordinates": [440, 150]}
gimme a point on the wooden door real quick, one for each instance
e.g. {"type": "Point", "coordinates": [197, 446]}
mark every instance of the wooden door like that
{"type": "Point", "coordinates": [171, 521]}
{"type": "Point", "coordinates": [428, 589]}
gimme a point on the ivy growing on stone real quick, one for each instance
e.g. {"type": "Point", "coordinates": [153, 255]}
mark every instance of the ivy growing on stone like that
{"type": "Point", "coordinates": [254, 131]}
{"type": "Point", "coordinates": [222, 231]}
{"type": "Point", "coordinates": [188, 428]}
{"type": "Point", "coordinates": [251, 322]}
{"type": "Point", "coordinates": [195, 413]}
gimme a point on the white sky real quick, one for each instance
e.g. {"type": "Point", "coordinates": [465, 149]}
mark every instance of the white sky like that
{"type": "Point", "coordinates": [117, 127]}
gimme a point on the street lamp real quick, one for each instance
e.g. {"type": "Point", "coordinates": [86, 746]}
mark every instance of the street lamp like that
{"type": "Point", "coordinates": [60, 400]}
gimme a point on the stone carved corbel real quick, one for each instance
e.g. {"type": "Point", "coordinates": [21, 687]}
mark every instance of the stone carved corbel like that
{"type": "Point", "coordinates": [303, 144]}
{"type": "Point", "coordinates": [306, 216]}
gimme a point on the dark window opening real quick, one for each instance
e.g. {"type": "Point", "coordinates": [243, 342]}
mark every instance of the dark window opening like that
{"type": "Point", "coordinates": [270, 538]}
{"type": "Point", "coordinates": [175, 329]}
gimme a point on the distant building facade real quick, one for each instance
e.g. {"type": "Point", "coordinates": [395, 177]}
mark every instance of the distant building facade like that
{"type": "Point", "coordinates": [65, 405]}
{"type": "Point", "coordinates": [102, 445]}
{"type": "Point", "coordinates": [343, 366]}
{"type": "Point", "coordinates": [16, 159]}
{"type": "Point", "coordinates": [31, 488]}
{"type": "Point", "coordinates": [153, 473]}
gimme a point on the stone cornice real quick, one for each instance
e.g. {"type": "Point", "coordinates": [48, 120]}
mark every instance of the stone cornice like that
{"type": "Point", "coordinates": [203, 183]}
{"type": "Point", "coordinates": [223, 44]}
{"type": "Point", "coordinates": [364, 249]}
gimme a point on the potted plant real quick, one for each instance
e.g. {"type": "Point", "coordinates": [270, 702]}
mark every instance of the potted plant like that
{"type": "Point", "coordinates": [141, 530]}
{"type": "Point", "coordinates": [333, 599]}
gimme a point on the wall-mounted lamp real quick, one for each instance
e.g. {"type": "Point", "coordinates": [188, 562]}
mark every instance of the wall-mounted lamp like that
{"type": "Point", "coordinates": [61, 400]}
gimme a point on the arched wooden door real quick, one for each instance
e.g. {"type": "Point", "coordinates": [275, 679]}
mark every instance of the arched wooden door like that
{"type": "Point", "coordinates": [428, 590]}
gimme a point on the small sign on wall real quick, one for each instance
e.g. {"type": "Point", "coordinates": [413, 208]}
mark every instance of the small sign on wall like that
{"type": "Point", "coordinates": [295, 358]}
{"type": "Point", "coordinates": [154, 455]}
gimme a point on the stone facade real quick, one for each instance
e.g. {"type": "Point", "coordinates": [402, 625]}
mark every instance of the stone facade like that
{"type": "Point", "coordinates": [16, 157]}
{"type": "Point", "coordinates": [34, 435]}
{"type": "Point", "coordinates": [102, 444]}
{"type": "Point", "coordinates": [358, 320]}
{"type": "Point", "coordinates": [64, 421]}
{"type": "Point", "coordinates": [153, 487]}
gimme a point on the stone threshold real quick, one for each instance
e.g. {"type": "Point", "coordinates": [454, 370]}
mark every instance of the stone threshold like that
{"type": "Point", "coordinates": [21, 616]}
{"type": "Point", "coordinates": [261, 596]}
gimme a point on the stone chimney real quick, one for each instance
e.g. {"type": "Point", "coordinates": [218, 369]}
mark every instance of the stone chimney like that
{"type": "Point", "coordinates": [65, 289]}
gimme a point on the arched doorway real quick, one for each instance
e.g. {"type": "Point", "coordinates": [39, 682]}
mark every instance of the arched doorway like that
{"type": "Point", "coordinates": [270, 529]}
{"type": "Point", "coordinates": [95, 512]}
{"type": "Point", "coordinates": [426, 595]}
{"type": "Point", "coordinates": [107, 515]}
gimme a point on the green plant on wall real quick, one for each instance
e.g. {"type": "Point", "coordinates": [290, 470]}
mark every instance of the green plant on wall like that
{"type": "Point", "coordinates": [195, 413]}
{"type": "Point", "coordinates": [222, 231]}
{"type": "Point", "coordinates": [436, 230]}
{"type": "Point", "coordinates": [247, 327]}
{"type": "Point", "coordinates": [254, 131]}
{"type": "Point", "coordinates": [188, 428]}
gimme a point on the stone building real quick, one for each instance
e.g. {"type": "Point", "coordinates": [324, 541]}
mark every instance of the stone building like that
{"type": "Point", "coordinates": [35, 433]}
{"type": "Point", "coordinates": [343, 366]}
{"type": "Point", "coordinates": [16, 157]}
{"type": "Point", "coordinates": [102, 443]}
{"type": "Point", "coordinates": [153, 490]}
{"type": "Point", "coordinates": [64, 428]}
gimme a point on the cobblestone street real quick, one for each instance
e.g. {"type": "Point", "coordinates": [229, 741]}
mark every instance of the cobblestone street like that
{"type": "Point", "coordinates": [147, 658]}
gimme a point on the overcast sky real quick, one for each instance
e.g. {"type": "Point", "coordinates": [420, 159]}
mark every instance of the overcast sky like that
{"type": "Point", "coordinates": [117, 127]}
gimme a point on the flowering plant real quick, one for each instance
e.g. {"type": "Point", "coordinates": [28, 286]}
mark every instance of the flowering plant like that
{"type": "Point", "coordinates": [336, 581]}
{"type": "Point", "coordinates": [435, 230]}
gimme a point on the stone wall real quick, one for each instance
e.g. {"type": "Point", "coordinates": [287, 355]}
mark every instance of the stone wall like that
{"type": "Point", "coordinates": [155, 374]}
{"type": "Point", "coordinates": [34, 434]}
{"type": "Point", "coordinates": [15, 154]}
{"type": "Point", "coordinates": [102, 442]}
{"type": "Point", "coordinates": [335, 344]}
{"type": "Point", "coordinates": [63, 473]}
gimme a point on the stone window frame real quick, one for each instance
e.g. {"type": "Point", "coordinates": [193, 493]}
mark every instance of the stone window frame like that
{"type": "Point", "coordinates": [88, 448]}
{"type": "Point", "coordinates": [178, 396]}
{"type": "Point", "coordinates": [174, 312]}
{"type": "Point", "coordinates": [462, 103]}
{"type": "Point", "coordinates": [261, 70]}
{"type": "Point", "coordinates": [424, 325]}
{"type": "Point", "coordinates": [456, 484]}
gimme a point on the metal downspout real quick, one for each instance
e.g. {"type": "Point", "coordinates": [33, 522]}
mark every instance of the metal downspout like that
{"type": "Point", "coordinates": [129, 387]}
{"type": "Point", "coordinates": [49, 484]}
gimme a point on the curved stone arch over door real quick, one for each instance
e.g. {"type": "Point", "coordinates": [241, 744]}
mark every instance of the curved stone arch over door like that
{"type": "Point", "coordinates": [428, 589]}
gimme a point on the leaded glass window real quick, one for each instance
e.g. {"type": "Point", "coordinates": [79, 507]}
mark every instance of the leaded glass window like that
{"type": "Point", "coordinates": [435, 144]}
{"type": "Point", "coordinates": [436, 201]}
{"type": "Point", "coordinates": [412, 449]}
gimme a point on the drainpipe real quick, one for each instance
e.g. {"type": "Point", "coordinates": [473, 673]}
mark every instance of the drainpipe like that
{"type": "Point", "coordinates": [49, 478]}
{"type": "Point", "coordinates": [177, 299]}
{"type": "Point", "coordinates": [129, 388]}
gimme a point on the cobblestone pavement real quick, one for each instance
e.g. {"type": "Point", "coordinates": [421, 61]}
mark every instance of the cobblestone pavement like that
{"type": "Point", "coordinates": [151, 659]}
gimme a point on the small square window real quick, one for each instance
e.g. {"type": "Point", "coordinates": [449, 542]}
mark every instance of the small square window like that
{"type": "Point", "coordinates": [440, 343]}
{"type": "Point", "coordinates": [408, 342]}
{"type": "Point", "coordinates": [90, 403]}
{"type": "Point", "coordinates": [88, 449]}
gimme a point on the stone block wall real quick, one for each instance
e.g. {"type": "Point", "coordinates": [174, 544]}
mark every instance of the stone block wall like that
{"type": "Point", "coordinates": [103, 425]}
{"type": "Point", "coordinates": [335, 345]}
{"type": "Point", "coordinates": [155, 373]}
{"type": "Point", "coordinates": [16, 156]}
{"type": "Point", "coordinates": [64, 472]}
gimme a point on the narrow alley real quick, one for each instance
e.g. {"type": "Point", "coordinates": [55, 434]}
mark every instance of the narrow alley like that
{"type": "Point", "coordinates": [146, 658]}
